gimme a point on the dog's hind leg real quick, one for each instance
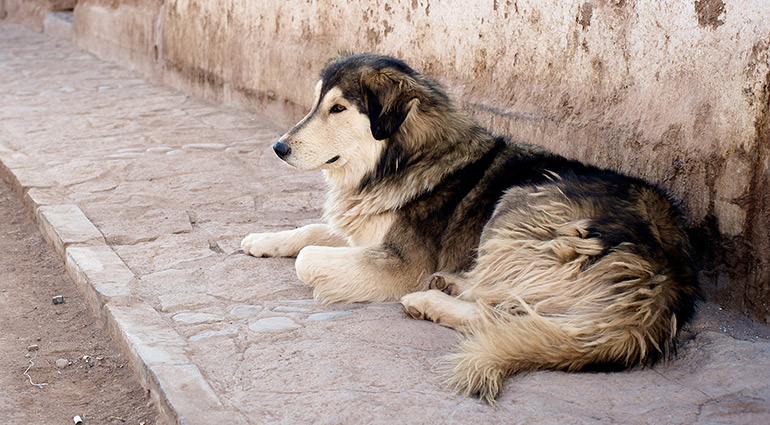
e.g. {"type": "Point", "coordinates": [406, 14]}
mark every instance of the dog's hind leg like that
{"type": "Point", "coordinates": [288, 243]}
{"type": "Point", "coordinates": [441, 308]}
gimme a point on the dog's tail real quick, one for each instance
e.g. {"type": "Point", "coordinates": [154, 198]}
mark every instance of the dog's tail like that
{"type": "Point", "coordinates": [501, 344]}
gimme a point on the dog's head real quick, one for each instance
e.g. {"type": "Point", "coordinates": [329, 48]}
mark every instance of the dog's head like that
{"type": "Point", "coordinates": [361, 104]}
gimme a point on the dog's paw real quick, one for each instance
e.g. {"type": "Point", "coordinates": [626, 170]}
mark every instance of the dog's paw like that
{"type": "Point", "coordinates": [322, 268]}
{"type": "Point", "coordinates": [268, 245]}
{"type": "Point", "coordinates": [343, 275]}
{"type": "Point", "coordinates": [441, 283]}
{"type": "Point", "coordinates": [310, 263]}
{"type": "Point", "coordinates": [417, 305]}
{"type": "Point", "coordinates": [326, 270]}
{"type": "Point", "coordinates": [440, 308]}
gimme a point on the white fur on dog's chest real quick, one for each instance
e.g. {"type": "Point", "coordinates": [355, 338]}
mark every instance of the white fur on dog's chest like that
{"type": "Point", "coordinates": [361, 219]}
{"type": "Point", "coordinates": [363, 230]}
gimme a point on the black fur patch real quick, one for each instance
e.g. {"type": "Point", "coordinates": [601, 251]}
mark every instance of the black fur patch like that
{"type": "Point", "coordinates": [394, 159]}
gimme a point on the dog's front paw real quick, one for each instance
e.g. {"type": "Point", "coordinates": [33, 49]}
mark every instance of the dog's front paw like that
{"type": "Point", "coordinates": [337, 276]}
{"type": "Point", "coordinates": [310, 263]}
{"type": "Point", "coordinates": [316, 266]}
{"type": "Point", "coordinates": [268, 245]}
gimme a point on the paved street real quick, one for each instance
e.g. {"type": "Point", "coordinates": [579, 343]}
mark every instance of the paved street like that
{"type": "Point", "coordinates": [147, 193]}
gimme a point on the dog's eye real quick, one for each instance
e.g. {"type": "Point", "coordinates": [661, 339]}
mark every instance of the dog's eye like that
{"type": "Point", "coordinates": [337, 109]}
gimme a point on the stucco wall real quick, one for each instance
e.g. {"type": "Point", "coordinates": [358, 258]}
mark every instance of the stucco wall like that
{"type": "Point", "coordinates": [32, 12]}
{"type": "Point", "coordinates": [674, 91]}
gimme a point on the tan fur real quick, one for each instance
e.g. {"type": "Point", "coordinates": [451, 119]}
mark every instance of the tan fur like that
{"type": "Point", "coordinates": [288, 243]}
{"type": "Point", "coordinates": [321, 133]}
{"type": "Point", "coordinates": [541, 261]}
{"type": "Point", "coordinates": [353, 274]}
{"type": "Point", "coordinates": [446, 310]}
{"type": "Point", "coordinates": [535, 285]}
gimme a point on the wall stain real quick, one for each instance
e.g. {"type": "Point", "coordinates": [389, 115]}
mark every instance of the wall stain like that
{"type": "Point", "coordinates": [584, 15]}
{"type": "Point", "coordinates": [757, 226]}
{"type": "Point", "coordinates": [709, 12]}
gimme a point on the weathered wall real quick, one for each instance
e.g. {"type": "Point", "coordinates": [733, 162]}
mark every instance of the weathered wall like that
{"type": "Point", "coordinates": [674, 91]}
{"type": "Point", "coordinates": [125, 31]}
{"type": "Point", "coordinates": [32, 12]}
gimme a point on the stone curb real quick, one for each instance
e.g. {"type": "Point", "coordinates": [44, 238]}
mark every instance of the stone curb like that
{"type": "Point", "coordinates": [101, 276]}
{"type": "Point", "coordinates": [156, 351]}
{"type": "Point", "coordinates": [66, 225]}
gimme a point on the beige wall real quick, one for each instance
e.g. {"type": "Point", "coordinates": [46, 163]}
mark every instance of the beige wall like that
{"type": "Point", "coordinates": [674, 91]}
{"type": "Point", "coordinates": [32, 12]}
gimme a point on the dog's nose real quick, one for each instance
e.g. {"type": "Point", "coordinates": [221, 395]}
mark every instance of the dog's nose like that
{"type": "Point", "coordinates": [281, 149]}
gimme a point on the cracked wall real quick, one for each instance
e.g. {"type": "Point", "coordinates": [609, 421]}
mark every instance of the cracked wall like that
{"type": "Point", "coordinates": [672, 91]}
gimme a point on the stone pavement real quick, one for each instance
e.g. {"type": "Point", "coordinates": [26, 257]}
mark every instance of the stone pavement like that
{"type": "Point", "coordinates": [147, 193]}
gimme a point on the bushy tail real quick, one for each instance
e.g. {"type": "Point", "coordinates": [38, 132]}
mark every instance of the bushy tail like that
{"type": "Point", "coordinates": [502, 344]}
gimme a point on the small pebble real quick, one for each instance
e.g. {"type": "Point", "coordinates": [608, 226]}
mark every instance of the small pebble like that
{"type": "Point", "coordinates": [273, 324]}
{"type": "Point", "coordinates": [329, 315]}
{"type": "Point", "coordinates": [33, 347]}
{"type": "Point", "coordinates": [290, 309]}
{"type": "Point", "coordinates": [62, 363]}
{"type": "Point", "coordinates": [204, 146]}
{"type": "Point", "coordinates": [58, 299]}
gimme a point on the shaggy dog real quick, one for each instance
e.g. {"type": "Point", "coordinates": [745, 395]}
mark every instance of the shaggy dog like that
{"type": "Point", "coordinates": [544, 262]}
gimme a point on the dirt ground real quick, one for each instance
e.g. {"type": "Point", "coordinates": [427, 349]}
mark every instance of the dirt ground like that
{"type": "Point", "coordinates": [97, 382]}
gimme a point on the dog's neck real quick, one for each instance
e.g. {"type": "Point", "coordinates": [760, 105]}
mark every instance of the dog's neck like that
{"type": "Point", "coordinates": [438, 146]}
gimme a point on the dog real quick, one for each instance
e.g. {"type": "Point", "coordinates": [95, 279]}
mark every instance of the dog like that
{"type": "Point", "coordinates": [544, 262]}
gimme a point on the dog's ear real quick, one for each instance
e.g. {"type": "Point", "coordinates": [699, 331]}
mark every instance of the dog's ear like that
{"type": "Point", "coordinates": [389, 95]}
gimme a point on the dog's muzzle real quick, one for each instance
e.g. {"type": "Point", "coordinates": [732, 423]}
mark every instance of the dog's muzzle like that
{"type": "Point", "coordinates": [281, 149]}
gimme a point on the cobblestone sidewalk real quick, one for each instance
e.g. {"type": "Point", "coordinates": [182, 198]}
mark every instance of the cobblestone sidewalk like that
{"type": "Point", "coordinates": [147, 193]}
